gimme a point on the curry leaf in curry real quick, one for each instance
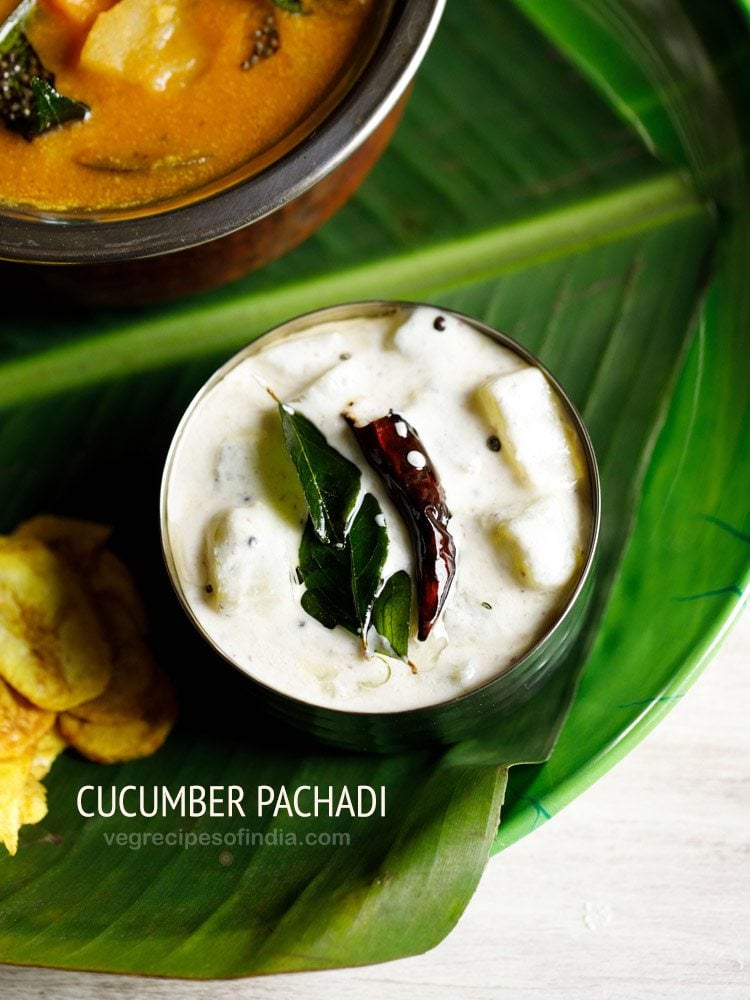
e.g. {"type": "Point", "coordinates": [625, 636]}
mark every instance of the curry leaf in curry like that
{"type": "Point", "coordinates": [53, 108]}
{"type": "Point", "coordinates": [341, 557]}
{"type": "Point", "coordinates": [341, 583]}
{"type": "Point", "coordinates": [324, 569]}
{"type": "Point", "coordinates": [293, 6]}
{"type": "Point", "coordinates": [391, 613]}
{"type": "Point", "coordinates": [344, 7]}
{"type": "Point", "coordinates": [329, 481]}
{"type": "Point", "coordinates": [368, 546]}
{"type": "Point", "coordinates": [29, 102]}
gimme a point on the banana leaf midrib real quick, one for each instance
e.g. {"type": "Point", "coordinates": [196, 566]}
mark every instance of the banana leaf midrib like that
{"type": "Point", "coordinates": [141, 346]}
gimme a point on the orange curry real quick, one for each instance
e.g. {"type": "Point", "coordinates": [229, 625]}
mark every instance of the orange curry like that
{"type": "Point", "coordinates": [181, 92]}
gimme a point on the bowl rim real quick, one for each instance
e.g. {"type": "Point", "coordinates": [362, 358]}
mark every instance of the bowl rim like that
{"type": "Point", "coordinates": [373, 307]}
{"type": "Point", "coordinates": [52, 238]}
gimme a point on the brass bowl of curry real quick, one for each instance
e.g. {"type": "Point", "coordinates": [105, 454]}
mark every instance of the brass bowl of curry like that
{"type": "Point", "coordinates": [165, 147]}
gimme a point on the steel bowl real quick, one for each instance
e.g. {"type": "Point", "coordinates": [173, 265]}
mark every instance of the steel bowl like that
{"type": "Point", "coordinates": [461, 716]}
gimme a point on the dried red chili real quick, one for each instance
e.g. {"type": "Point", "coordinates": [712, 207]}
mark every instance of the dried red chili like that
{"type": "Point", "coordinates": [394, 449]}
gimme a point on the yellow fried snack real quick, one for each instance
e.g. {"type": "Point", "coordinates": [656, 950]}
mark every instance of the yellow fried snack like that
{"type": "Point", "coordinates": [24, 798]}
{"type": "Point", "coordinates": [112, 743]}
{"type": "Point", "coordinates": [114, 587]}
{"type": "Point", "coordinates": [33, 802]}
{"type": "Point", "coordinates": [21, 722]}
{"type": "Point", "coordinates": [44, 753]}
{"type": "Point", "coordinates": [134, 669]}
{"type": "Point", "coordinates": [125, 697]}
{"type": "Point", "coordinates": [78, 542]}
{"type": "Point", "coordinates": [52, 648]}
{"type": "Point", "coordinates": [72, 640]}
{"type": "Point", "coordinates": [14, 774]}
{"type": "Point", "coordinates": [81, 545]}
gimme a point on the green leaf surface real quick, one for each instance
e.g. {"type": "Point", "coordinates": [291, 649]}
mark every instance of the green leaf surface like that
{"type": "Point", "coordinates": [329, 481]}
{"type": "Point", "coordinates": [696, 462]}
{"type": "Point", "coordinates": [391, 613]}
{"type": "Point", "coordinates": [574, 175]}
{"type": "Point", "coordinates": [651, 63]}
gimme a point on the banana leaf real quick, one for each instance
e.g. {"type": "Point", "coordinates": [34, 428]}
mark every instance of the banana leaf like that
{"type": "Point", "coordinates": [573, 173]}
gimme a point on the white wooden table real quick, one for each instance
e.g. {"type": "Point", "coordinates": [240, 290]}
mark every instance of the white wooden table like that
{"type": "Point", "coordinates": [638, 890]}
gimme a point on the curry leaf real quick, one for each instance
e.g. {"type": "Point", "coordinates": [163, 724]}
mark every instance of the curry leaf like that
{"type": "Point", "coordinates": [325, 570]}
{"type": "Point", "coordinates": [391, 613]}
{"type": "Point", "coordinates": [329, 481]}
{"type": "Point", "coordinates": [293, 6]}
{"type": "Point", "coordinates": [53, 108]}
{"type": "Point", "coordinates": [317, 606]}
{"type": "Point", "coordinates": [340, 563]}
{"type": "Point", "coordinates": [341, 582]}
{"type": "Point", "coordinates": [368, 546]}
{"type": "Point", "coordinates": [29, 102]}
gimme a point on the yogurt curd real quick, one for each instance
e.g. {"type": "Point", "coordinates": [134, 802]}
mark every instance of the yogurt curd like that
{"type": "Point", "coordinates": [509, 459]}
